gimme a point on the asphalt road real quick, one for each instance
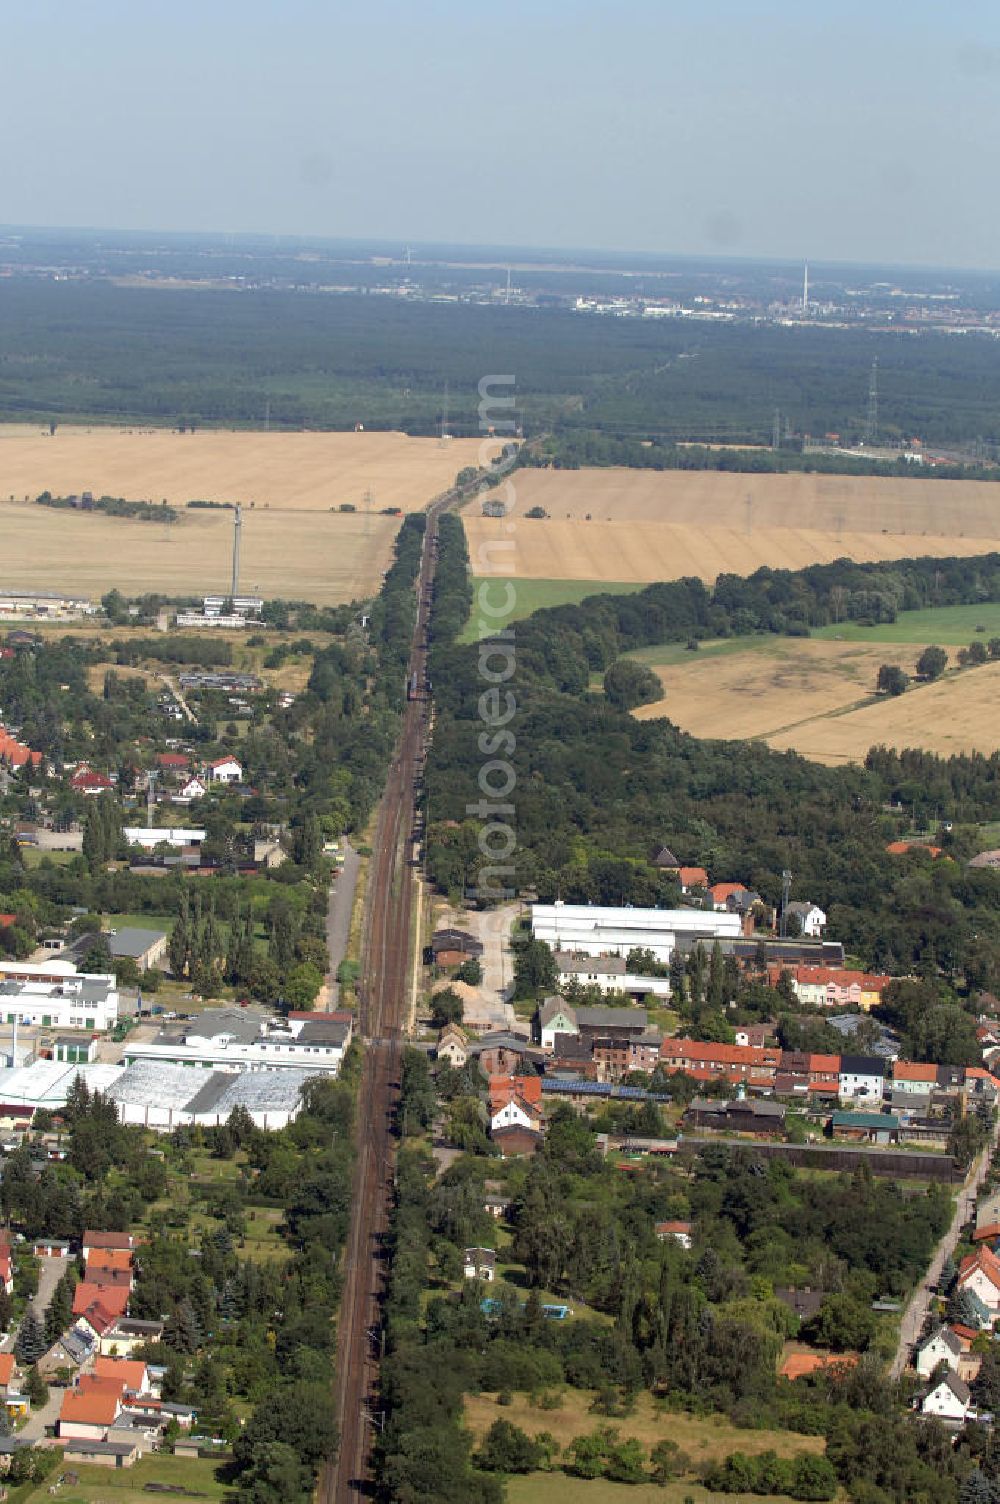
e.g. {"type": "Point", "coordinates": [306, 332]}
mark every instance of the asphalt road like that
{"type": "Point", "coordinates": [338, 915]}
{"type": "Point", "coordinates": [916, 1312]}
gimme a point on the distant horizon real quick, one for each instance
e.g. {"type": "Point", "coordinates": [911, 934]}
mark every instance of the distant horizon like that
{"type": "Point", "coordinates": [484, 248]}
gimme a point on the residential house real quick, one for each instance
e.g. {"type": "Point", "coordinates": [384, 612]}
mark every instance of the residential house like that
{"type": "Point", "coordinates": [831, 987]}
{"type": "Point", "coordinates": [173, 762]}
{"type": "Point", "coordinates": [987, 1218]}
{"type": "Point", "coordinates": [942, 1346]}
{"type": "Point", "coordinates": [679, 1231]}
{"type": "Point", "coordinates": [515, 1102]}
{"type": "Point", "coordinates": [90, 1409]}
{"type": "Point", "coordinates": [100, 1305]}
{"type": "Point", "coordinates": [664, 859]}
{"type": "Point", "coordinates": [608, 974]}
{"type": "Point", "coordinates": [115, 1260]}
{"type": "Point", "coordinates": [93, 1240]}
{"type": "Point", "coordinates": [950, 1401]}
{"type": "Point", "coordinates": [452, 1046]}
{"type": "Point", "coordinates": [50, 1248]}
{"type": "Point", "coordinates": [501, 1053]}
{"type": "Point", "coordinates": [480, 1263]}
{"type": "Point", "coordinates": [812, 920]}
{"type": "Point", "coordinates": [555, 1016]}
{"type": "Point", "coordinates": [86, 781]}
{"type": "Point", "coordinates": [125, 1335]}
{"type": "Point", "coordinates": [132, 1373]}
{"type": "Point", "coordinates": [6, 1268]}
{"type": "Point", "coordinates": [706, 1061]}
{"type": "Point", "coordinates": [225, 770]}
{"type": "Point", "coordinates": [980, 1273]}
{"type": "Point", "coordinates": [692, 879]}
{"type": "Point", "coordinates": [192, 788]}
{"type": "Point", "coordinates": [914, 1078]}
{"type": "Point", "coordinates": [754, 1035]}
{"type": "Point", "coordinates": [862, 1078]}
{"type": "Point", "coordinates": [9, 1376]}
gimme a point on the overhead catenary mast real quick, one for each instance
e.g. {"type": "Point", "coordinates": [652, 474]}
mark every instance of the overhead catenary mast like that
{"type": "Point", "coordinates": [805, 289]}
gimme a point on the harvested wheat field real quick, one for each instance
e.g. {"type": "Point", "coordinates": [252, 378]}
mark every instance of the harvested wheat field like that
{"type": "Point", "coordinates": [300, 471]}
{"type": "Point", "coordinates": [322, 557]}
{"type": "Point", "coordinates": [818, 698]}
{"type": "Point", "coordinates": [660, 525]}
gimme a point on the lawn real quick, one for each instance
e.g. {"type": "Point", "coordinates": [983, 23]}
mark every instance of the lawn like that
{"type": "Point", "coordinates": [559, 1488]}
{"type": "Point", "coordinates": [951, 626]}
{"type": "Point", "coordinates": [704, 1438]}
{"type": "Point", "coordinates": [195, 1477]}
{"type": "Point", "coordinates": [534, 595]}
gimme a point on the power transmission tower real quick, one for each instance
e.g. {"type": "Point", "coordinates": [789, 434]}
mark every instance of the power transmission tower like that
{"type": "Point", "coordinates": [871, 427]}
{"type": "Point", "coordinates": [776, 430]}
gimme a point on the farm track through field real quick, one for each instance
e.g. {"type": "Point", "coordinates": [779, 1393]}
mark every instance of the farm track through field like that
{"type": "Point", "coordinates": [383, 1004]}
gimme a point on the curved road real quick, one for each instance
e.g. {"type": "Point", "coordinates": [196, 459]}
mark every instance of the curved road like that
{"type": "Point", "coordinates": [382, 1011]}
{"type": "Point", "coordinates": [916, 1311]}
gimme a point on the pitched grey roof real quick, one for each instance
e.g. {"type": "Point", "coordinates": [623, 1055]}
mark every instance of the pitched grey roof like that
{"type": "Point", "coordinates": [947, 1336]}
{"type": "Point", "coordinates": [635, 1020]}
{"type": "Point", "coordinates": [132, 942]}
{"type": "Point", "coordinates": [958, 1387]}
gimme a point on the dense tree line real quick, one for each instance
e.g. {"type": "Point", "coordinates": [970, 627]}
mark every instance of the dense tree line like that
{"type": "Point", "coordinates": [89, 348]}
{"type": "Point", "coordinates": [579, 449]}
{"type": "Point", "coordinates": [595, 790]}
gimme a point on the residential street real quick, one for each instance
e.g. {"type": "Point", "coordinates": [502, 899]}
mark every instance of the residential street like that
{"type": "Point", "coordinates": [916, 1312]}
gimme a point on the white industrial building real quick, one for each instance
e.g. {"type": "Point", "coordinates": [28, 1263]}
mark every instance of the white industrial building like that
{"type": "Point", "coordinates": [164, 1097]}
{"type": "Point", "coordinates": [149, 837]}
{"type": "Point", "coordinates": [158, 1096]}
{"type": "Point", "coordinates": [233, 1039]}
{"type": "Point", "coordinates": [79, 1001]}
{"type": "Point", "coordinates": [591, 930]}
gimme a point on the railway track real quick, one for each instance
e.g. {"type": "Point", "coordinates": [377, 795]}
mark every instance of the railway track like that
{"type": "Point", "coordinates": [386, 951]}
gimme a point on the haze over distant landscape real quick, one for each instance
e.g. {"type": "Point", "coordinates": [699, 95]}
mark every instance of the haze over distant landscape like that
{"type": "Point", "coordinates": [843, 133]}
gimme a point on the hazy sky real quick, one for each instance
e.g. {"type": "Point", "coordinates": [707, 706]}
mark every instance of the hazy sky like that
{"type": "Point", "coordinates": [799, 128]}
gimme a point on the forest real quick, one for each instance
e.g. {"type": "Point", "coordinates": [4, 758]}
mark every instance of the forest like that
{"type": "Point", "coordinates": [93, 350]}
{"type": "Point", "coordinates": [595, 791]}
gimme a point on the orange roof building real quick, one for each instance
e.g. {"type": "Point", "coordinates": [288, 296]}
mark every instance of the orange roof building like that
{"type": "Point", "coordinates": [693, 877]}
{"type": "Point", "coordinates": [7, 1365]}
{"type": "Point", "coordinates": [129, 1372]}
{"type": "Point", "coordinates": [118, 1260]}
{"type": "Point", "coordinates": [15, 753]}
{"type": "Point", "coordinates": [107, 1300]}
{"type": "Point", "coordinates": [94, 1403]}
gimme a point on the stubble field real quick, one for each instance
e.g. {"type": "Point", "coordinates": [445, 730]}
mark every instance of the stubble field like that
{"type": "Point", "coordinates": [644, 526]}
{"type": "Point", "coordinates": [293, 544]}
{"type": "Point", "coordinates": [818, 698]}
{"type": "Point", "coordinates": [299, 471]}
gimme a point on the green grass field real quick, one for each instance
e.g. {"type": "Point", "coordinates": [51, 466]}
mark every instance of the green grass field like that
{"type": "Point", "coordinates": [193, 1477]}
{"type": "Point", "coordinates": [534, 595]}
{"type": "Point", "coordinates": [951, 626]}
{"type": "Point", "coordinates": [559, 1488]}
